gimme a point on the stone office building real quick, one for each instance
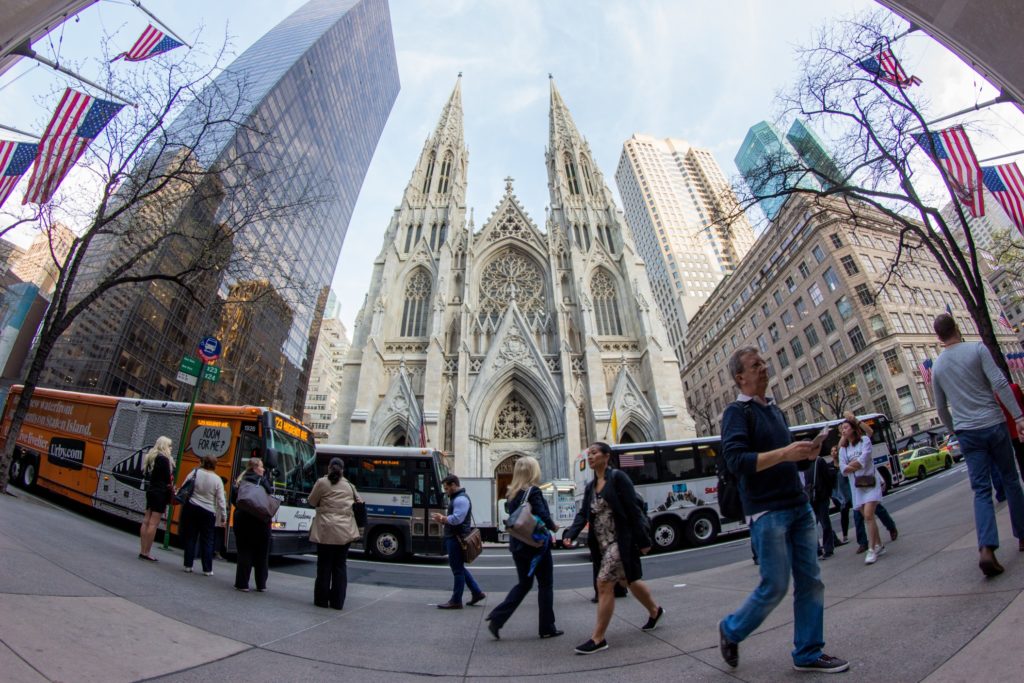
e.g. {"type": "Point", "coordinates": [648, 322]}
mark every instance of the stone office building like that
{"type": "Point", "coordinates": [808, 296]}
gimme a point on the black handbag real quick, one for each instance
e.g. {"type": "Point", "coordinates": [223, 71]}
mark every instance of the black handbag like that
{"type": "Point", "coordinates": [358, 510]}
{"type": "Point", "coordinates": [184, 493]}
{"type": "Point", "coordinates": [866, 481]}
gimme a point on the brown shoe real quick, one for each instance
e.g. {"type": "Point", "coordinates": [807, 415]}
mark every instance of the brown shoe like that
{"type": "Point", "coordinates": [988, 563]}
{"type": "Point", "coordinates": [450, 605]}
{"type": "Point", "coordinates": [477, 598]}
{"type": "Point", "coordinates": [862, 549]}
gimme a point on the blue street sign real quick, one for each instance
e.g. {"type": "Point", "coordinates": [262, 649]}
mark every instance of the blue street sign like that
{"type": "Point", "coordinates": [209, 349]}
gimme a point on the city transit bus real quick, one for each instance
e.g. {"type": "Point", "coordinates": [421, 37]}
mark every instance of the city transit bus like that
{"type": "Point", "coordinates": [401, 488]}
{"type": "Point", "coordinates": [90, 449]}
{"type": "Point", "coordinates": [679, 479]}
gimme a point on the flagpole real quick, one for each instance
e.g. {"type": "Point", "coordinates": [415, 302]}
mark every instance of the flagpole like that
{"type": "Point", "coordinates": [1001, 156]}
{"type": "Point", "coordinates": [25, 50]}
{"type": "Point", "coordinates": [20, 132]}
{"type": "Point", "coordinates": [165, 26]}
{"type": "Point", "coordinates": [1003, 97]}
{"type": "Point", "coordinates": [913, 27]}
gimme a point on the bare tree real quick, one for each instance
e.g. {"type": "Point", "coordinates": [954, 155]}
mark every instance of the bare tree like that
{"type": "Point", "coordinates": [835, 397]}
{"type": "Point", "coordinates": [706, 417]}
{"type": "Point", "coordinates": [181, 181]}
{"type": "Point", "coordinates": [879, 166]}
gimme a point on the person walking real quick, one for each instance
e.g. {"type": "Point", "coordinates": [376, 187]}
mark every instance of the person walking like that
{"type": "Point", "coordinates": [457, 523]}
{"type": "Point", "coordinates": [760, 451]}
{"type": "Point", "coordinates": [205, 511]}
{"type": "Point", "coordinates": [857, 463]}
{"type": "Point", "coordinates": [618, 528]}
{"type": "Point", "coordinates": [574, 530]}
{"type": "Point", "coordinates": [530, 561]}
{"type": "Point", "coordinates": [158, 467]}
{"type": "Point", "coordinates": [823, 479]}
{"type": "Point", "coordinates": [881, 514]}
{"type": "Point", "coordinates": [334, 528]}
{"type": "Point", "coordinates": [843, 498]}
{"type": "Point", "coordinates": [252, 534]}
{"type": "Point", "coordinates": [966, 380]}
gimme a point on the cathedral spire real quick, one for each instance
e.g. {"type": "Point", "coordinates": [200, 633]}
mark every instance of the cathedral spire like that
{"type": "Point", "coordinates": [451, 116]}
{"type": "Point", "coordinates": [440, 173]}
{"type": "Point", "coordinates": [562, 129]}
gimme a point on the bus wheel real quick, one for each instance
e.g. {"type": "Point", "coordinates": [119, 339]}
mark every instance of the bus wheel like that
{"type": "Point", "coordinates": [386, 544]}
{"type": "Point", "coordinates": [666, 534]}
{"type": "Point", "coordinates": [29, 472]}
{"type": "Point", "coordinates": [701, 528]}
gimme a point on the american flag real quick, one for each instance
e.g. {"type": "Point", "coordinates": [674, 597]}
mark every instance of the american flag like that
{"type": "Point", "coordinates": [1004, 321]}
{"type": "Point", "coordinates": [15, 158]}
{"type": "Point", "coordinates": [423, 432]}
{"type": "Point", "coordinates": [952, 151]}
{"type": "Point", "coordinates": [151, 43]}
{"type": "Point", "coordinates": [79, 118]}
{"type": "Point", "coordinates": [885, 67]}
{"type": "Point", "coordinates": [1007, 185]}
{"type": "Point", "coordinates": [926, 371]}
{"type": "Point", "coordinates": [631, 460]}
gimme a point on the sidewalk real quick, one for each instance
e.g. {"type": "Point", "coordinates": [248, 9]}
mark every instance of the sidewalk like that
{"type": "Point", "coordinates": [76, 605]}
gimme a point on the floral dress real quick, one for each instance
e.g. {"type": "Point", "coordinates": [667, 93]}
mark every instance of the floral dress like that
{"type": "Point", "coordinates": [611, 568]}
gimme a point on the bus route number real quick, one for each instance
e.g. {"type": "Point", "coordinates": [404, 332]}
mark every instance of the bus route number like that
{"type": "Point", "coordinates": [210, 441]}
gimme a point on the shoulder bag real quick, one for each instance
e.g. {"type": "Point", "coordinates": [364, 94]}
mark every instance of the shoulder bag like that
{"type": "Point", "coordinates": [523, 525]}
{"type": "Point", "coordinates": [358, 509]}
{"type": "Point", "coordinates": [187, 488]}
{"type": "Point", "coordinates": [864, 481]}
{"type": "Point", "coordinates": [254, 499]}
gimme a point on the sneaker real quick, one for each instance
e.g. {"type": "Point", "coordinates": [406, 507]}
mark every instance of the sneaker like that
{"type": "Point", "coordinates": [652, 622]}
{"type": "Point", "coordinates": [879, 550]}
{"type": "Point", "coordinates": [730, 650]}
{"type": "Point", "coordinates": [187, 570]}
{"type": "Point", "coordinates": [871, 557]}
{"type": "Point", "coordinates": [590, 647]}
{"type": "Point", "coordinates": [205, 573]}
{"type": "Point", "coordinates": [824, 664]}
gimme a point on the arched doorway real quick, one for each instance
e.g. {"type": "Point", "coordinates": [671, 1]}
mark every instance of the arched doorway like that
{"type": "Point", "coordinates": [503, 475]}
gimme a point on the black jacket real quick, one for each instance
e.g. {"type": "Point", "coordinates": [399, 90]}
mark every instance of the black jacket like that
{"type": "Point", "coordinates": [630, 530]}
{"type": "Point", "coordinates": [242, 516]}
{"type": "Point", "coordinates": [538, 506]}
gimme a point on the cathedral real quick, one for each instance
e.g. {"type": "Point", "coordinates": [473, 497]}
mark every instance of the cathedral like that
{"type": "Point", "coordinates": [506, 341]}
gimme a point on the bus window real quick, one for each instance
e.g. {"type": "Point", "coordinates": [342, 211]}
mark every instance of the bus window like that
{"type": "Point", "coordinates": [354, 471]}
{"type": "Point", "coordinates": [640, 465]}
{"type": "Point", "coordinates": [384, 474]}
{"type": "Point", "coordinates": [681, 462]}
{"type": "Point", "coordinates": [707, 454]}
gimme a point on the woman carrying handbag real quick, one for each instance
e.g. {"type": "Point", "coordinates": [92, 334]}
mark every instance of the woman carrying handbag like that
{"type": "Point", "coordinates": [252, 533]}
{"type": "Point", "coordinates": [334, 528]}
{"type": "Point", "coordinates": [856, 461]}
{"type": "Point", "coordinates": [531, 560]}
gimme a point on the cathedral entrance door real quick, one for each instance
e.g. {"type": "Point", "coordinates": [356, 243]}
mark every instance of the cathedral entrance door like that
{"type": "Point", "coordinates": [503, 477]}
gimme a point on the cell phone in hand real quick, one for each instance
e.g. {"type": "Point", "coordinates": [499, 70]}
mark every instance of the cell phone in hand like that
{"type": "Point", "coordinates": [821, 436]}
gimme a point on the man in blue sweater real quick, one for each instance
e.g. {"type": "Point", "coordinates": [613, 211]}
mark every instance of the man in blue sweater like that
{"type": "Point", "coordinates": [759, 450]}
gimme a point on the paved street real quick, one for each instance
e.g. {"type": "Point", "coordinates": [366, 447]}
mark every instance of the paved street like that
{"type": "Point", "coordinates": [75, 604]}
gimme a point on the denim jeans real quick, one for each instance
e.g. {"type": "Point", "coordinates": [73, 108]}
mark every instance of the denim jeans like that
{"type": "Point", "coordinates": [462, 576]}
{"type": "Point", "coordinates": [881, 514]}
{"type": "Point", "coordinates": [984, 450]}
{"type": "Point", "coordinates": [786, 541]}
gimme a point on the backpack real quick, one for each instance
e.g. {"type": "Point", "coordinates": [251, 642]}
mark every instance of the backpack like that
{"type": "Point", "coordinates": [730, 503]}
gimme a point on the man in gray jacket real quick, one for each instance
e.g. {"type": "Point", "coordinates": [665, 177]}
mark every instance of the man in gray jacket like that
{"type": "Point", "coordinates": [966, 380]}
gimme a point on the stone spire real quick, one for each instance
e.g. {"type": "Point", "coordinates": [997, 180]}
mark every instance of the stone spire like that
{"type": "Point", "coordinates": [563, 134]}
{"type": "Point", "coordinates": [440, 174]}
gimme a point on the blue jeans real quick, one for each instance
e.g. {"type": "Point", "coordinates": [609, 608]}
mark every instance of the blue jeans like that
{"type": "Point", "coordinates": [462, 576]}
{"type": "Point", "coordinates": [984, 450]}
{"type": "Point", "coordinates": [786, 541]}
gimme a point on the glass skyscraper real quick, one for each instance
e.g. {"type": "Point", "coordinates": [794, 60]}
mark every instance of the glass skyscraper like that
{"type": "Point", "coordinates": [812, 152]}
{"type": "Point", "coordinates": [321, 84]}
{"type": "Point", "coordinates": [770, 164]}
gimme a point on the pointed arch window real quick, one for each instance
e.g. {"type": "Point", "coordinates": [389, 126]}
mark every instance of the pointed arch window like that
{"type": "Point", "coordinates": [446, 173]}
{"type": "Point", "coordinates": [515, 421]}
{"type": "Point", "coordinates": [587, 177]}
{"type": "Point", "coordinates": [570, 175]}
{"type": "Point", "coordinates": [430, 173]}
{"type": "Point", "coordinates": [417, 305]}
{"type": "Point", "coordinates": [606, 305]}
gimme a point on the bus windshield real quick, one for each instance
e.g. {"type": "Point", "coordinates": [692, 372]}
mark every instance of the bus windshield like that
{"type": "Point", "coordinates": [296, 464]}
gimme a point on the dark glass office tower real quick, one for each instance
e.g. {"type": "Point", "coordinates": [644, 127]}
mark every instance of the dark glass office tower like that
{"type": "Point", "coordinates": [322, 83]}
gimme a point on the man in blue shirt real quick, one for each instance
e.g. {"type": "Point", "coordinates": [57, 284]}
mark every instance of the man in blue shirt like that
{"type": "Point", "coordinates": [457, 523]}
{"type": "Point", "coordinates": [759, 450]}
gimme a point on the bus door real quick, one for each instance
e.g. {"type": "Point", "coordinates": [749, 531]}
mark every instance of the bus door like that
{"type": "Point", "coordinates": [427, 535]}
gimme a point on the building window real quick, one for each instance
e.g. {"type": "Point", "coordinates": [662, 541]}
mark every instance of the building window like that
{"type": "Point", "coordinates": [446, 173]}
{"type": "Point", "coordinates": [430, 173]}
{"type": "Point", "coordinates": [801, 307]}
{"type": "Point", "coordinates": [849, 383]}
{"type": "Point", "coordinates": [570, 175]}
{"type": "Point", "coordinates": [819, 255]}
{"type": "Point", "coordinates": [812, 336]}
{"type": "Point", "coordinates": [850, 265]}
{"type": "Point", "coordinates": [871, 377]}
{"type": "Point", "coordinates": [897, 322]}
{"type": "Point", "coordinates": [844, 307]}
{"type": "Point", "coordinates": [882, 406]}
{"type": "Point", "coordinates": [606, 308]}
{"type": "Point", "coordinates": [777, 297]}
{"type": "Point", "coordinates": [838, 351]}
{"type": "Point", "coordinates": [805, 374]}
{"type": "Point", "coordinates": [765, 310]}
{"type": "Point", "coordinates": [773, 332]}
{"type": "Point", "coordinates": [514, 421]}
{"type": "Point", "coordinates": [417, 305]}
{"type": "Point", "coordinates": [864, 294]}
{"type": "Point", "coordinates": [827, 323]}
{"type": "Point", "coordinates": [892, 361]}
{"type": "Point", "coordinates": [587, 176]}
{"type": "Point", "coordinates": [511, 276]}
{"type": "Point", "coordinates": [815, 404]}
{"type": "Point", "coordinates": [790, 284]}
{"type": "Point", "coordinates": [831, 279]}
{"type": "Point", "coordinates": [783, 359]}
{"type": "Point", "coordinates": [821, 365]}
{"type": "Point", "coordinates": [878, 327]}
{"type": "Point", "coordinates": [906, 400]}
{"type": "Point", "coordinates": [787, 319]}
{"type": "Point", "coordinates": [797, 346]}
{"type": "Point", "coordinates": [857, 339]}
{"type": "Point", "coordinates": [762, 343]}
{"type": "Point", "coordinates": [836, 242]}
{"type": "Point", "coordinates": [798, 414]}
{"type": "Point", "coordinates": [814, 291]}
{"type": "Point", "coordinates": [805, 272]}
{"type": "Point", "coordinates": [790, 384]}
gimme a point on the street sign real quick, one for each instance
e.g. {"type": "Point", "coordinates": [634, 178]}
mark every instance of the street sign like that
{"type": "Point", "coordinates": [211, 373]}
{"type": "Point", "coordinates": [209, 349]}
{"type": "Point", "coordinates": [186, 378]}
{"type": "Point", "coordinates": [190, 365]}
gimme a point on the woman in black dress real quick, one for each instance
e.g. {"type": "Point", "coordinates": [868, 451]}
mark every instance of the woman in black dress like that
{"type": "Point", "coordinates": [252, 534]}
{"type": "Point", "coordinates": [159, 469]}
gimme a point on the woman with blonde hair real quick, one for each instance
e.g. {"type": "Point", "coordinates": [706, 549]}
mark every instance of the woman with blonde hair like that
{"type": "Point", "coordinates": [856, 461]}
{"type": "Point", "coordinates": [159, 475]}
{"type": "Point", "coordinates": [252, 534]}
{"type": "Point", "coordinates": [530, 561]}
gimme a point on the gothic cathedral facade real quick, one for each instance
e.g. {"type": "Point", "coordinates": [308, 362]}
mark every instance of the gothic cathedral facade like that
{"type": "Point", "coordinates": [508, 340]}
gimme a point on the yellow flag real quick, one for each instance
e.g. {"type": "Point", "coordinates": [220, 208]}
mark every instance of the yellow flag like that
{"type": "Point", "coordinates": [615, 427]}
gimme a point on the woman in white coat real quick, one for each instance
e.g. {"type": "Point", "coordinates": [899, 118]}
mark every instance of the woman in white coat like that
{"type": "Point", "coordinates": [856, 461]}
{"type": "Point", "coordinates": [334, 528]}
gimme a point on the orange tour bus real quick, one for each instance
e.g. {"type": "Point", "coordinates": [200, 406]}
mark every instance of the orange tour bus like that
{"type": "Point", "coordinates": [89, 448]}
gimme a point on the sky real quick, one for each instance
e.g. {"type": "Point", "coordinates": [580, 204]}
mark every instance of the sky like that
{"type": "Point", "coordinates": [691, 69]}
